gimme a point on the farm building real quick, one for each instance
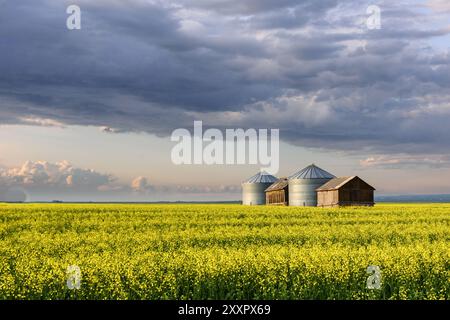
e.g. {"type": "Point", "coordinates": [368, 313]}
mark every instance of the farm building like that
{"type": "Point", "coordinates": [303, 185]}
{"type": "Point", "coordinates": [345, 191]}
{"type": "Point", "coordinates": [253, 189]}
{"type": "Point", "coordinates": [309, 187]}
{"type": "Point", "coordinates": [278, 193]}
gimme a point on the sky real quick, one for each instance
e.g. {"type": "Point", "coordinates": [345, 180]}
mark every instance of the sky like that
{"type": "Point", "coordinates": [87, 114]}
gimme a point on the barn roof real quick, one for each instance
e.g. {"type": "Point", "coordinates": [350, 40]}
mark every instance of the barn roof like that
{"type": "Point", "coordinates": [312, 172]}
{"type": "Point", "coordinates": [280, 184]}
{"type": "Point", "coordinates": [261, 177]}
{"type": "Point", "coordinates": [337, 183]}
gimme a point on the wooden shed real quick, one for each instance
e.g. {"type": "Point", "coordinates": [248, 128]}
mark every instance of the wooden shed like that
{"type": "Point", "coordinates": [345, 191]}
{"type": "Point", "coordinates": [278, 193]}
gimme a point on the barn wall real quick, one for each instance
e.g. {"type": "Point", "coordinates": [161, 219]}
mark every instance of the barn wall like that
{"type": "Point", "coordinates": [277, 197]}
{"type": "Point", "coordinates": [353, 193]}
{"type": "Point", "coordinates": [327, 198]}
{"type": "Point", "coordinates": [356, 192]}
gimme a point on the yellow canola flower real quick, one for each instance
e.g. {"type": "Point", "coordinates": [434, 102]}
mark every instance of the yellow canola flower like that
{"type": "Point", "coordinates": [224, 251]}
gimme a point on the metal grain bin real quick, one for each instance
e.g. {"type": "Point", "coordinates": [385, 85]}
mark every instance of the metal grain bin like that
{"type": "Point", "coordinates": [303, 185]}
{"type": "Point", "coordinates": [253, 189]}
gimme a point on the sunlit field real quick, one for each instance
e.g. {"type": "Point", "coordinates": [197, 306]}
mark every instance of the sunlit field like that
{"type": "Point", "coordinates": [224, 251]}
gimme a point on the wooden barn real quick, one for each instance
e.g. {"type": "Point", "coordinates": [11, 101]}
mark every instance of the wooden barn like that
{"type": "Point", "coordinates": [278, 193]}
{"type": "Point", "coordinates": [345, 191]}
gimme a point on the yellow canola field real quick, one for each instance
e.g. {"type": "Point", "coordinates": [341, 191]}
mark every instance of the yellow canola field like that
{"type": "Point", "coordinates": [192, 251]}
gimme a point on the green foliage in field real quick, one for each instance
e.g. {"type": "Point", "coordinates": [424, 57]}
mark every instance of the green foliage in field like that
{"type": "Point", "coordinates": [224, 251]}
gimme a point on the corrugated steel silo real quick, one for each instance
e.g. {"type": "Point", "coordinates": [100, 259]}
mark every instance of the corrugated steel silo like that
{"type": "Point", "coordinates": [253, 189]}
{"type": "Point", "coordinates": [303, 185]}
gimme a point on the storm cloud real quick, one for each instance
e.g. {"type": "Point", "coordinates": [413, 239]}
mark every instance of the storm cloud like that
{"type": "Point", "coordinates": [311, 68]}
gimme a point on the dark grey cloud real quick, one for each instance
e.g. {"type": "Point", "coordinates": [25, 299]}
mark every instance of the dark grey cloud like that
{"type": "Point", "coordinates": [310, 68]}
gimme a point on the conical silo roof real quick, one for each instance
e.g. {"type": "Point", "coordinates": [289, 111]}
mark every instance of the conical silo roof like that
{"type": "Point", "coordinates": [312, 172]}
{"type": "Point", "coordinates": [261, 177]}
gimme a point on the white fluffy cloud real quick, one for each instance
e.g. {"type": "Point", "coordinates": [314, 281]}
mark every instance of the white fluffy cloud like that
{"type": "Point", "coordinates": [140, 184]}
{"type": "Point", "coordinates": [44, 175]}
{"type": "Point", "coordinates": [61, 179]}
